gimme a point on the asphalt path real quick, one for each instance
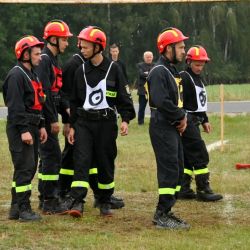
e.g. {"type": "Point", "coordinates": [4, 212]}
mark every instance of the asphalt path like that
{"type": "Point", "coordinates": [213, 107]}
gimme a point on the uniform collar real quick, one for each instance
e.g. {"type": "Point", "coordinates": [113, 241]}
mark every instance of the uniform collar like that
{"type": "Point", "coordinates": [53, 58]}
{"type": "Point", "coordinates": [166, 62]}
{"type": "Point", "coordinates": [104, 65]}
{"type": "Point", "coordinates": [189, 70]}
{"type": "Point", "coordinates": [27, 71]}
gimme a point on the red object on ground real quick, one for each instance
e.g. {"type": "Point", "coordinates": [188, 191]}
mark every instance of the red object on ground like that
{"type": "Point", "coordinates": [242, 165]}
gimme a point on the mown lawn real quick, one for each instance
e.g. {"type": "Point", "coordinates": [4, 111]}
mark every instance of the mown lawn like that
{"type": "Point", "coordinates": [221, 225]}
{"type": "Point", "coordinates": [232, 92]}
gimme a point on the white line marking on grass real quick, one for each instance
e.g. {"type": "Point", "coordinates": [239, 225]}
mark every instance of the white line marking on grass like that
{"type": "Point", "coordinates": [229, 209]}
{"type": "Point", "coordinates": [215, 145]}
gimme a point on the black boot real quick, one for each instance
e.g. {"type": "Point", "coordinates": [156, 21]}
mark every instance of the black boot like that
{"type": "Point", "coordinates": [204, 192]}
{"type": "Point", "coordinates": [186, 192]}
{"type": "Point", "coordinates": [53, 206]}
{"type": "Point", "coordinates": [116, 203]}
{"type": "Point", "coordinates": [105, 210]}
{"type": "Point", "coordinates": [14, 212]}
{"type": "Point", "coordinates": [26, 214]}
{"type": "Point", "coordinates": [76, 209]}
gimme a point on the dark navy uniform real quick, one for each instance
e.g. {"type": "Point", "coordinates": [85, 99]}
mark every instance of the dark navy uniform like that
{"type": "Point", "coordinates": [143, 70]}
{"type": "Point", "coordinates": [98, 91]}
{"type": "Point", "coordinates": [24, 97]}
{"type": "Point", "coordinates": [67, 168]}
{"type": "Point", "coordinates": [51, 76]}
{"type": "Point", "coordinates": [165, 100]}
{"type": "Point", "coordinates": [196, 156]}
{"type": "Point", "coordinates": [195, 102]}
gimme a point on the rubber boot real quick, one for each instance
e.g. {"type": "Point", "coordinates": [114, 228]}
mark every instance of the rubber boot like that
{"type": "Point", "coordinates": [53, 206]}
{"type": "Point", "coordinates": [13, 212]}
{"type": "Point", "coordinates": [76, 209]}
{"type": "Point", "coordinates": [105, 210]}
{"type": "Point", "coordinates": [204, 192]}
{"type": "Point", "coordinates": [115, 202]}
{"type": "Point", "coordinates": [186, 192]}
{"type": "Point", "coordinates": [26, 214]}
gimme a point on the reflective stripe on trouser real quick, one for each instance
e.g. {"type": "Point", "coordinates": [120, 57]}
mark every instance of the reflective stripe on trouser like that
{"type": "Point", "coordinates": [201, 171]}
{"type": "Point", "coordinates": [67, 171]}
{"type": "Point", "coordinates": [24, 158]}
{"type": "Point", "coordinates": [188, 171]}
{"type": "Point", "coordinates": [90, 143]}
{"type": "Point", "coordinates": [167, 147]}
{"type": "Point", "coordinates": [50, 154]}
{"type": "Point", "coordinates": [194, 148]}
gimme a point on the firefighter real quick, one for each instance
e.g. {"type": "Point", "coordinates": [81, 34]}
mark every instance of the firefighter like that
{"type": "Point", "coordinates": [98, 91]}
{"type": "Point", "coordinates": [24, 97]}
{"type": "Point", "coordinates": [67, 169]}
{"type": "Point", "coordinates": [168, 121]}
{"type": "Point", "coordinates": [143, 71]}
{"type": "Point", "coordinates": [196, 157]}
{"type": "Point", "coordinates": [56, 33]}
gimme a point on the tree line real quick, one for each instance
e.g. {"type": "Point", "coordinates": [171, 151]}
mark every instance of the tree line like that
{"type": "Point", "coordinates": [222, 28]}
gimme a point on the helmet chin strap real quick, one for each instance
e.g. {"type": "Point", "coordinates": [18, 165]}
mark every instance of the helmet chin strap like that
{"type": "Point", "coordinates": [56, 45]}
{"type": "Point", "coordinates": [29, 60]}
{"type": "Point", "coordinates": [94, 53]}
{"type": "Point", "coordinates": [174, 60]}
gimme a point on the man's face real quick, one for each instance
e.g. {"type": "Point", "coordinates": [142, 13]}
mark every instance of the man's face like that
{"type": "Point", "coordinates": [63, 43]}
{"type": "Point", "coordinates": [36, 55]}
{"type": "Point", "coordinates": [87, 49]}
{"type": "Point", "coordinates": [197, 66]}
{"type": "Point", "coordinates": [148, 58]}
{"type": "Point", "coordinates": [180, 51]}
{"type": "Point", "coordinates": [114, 53]}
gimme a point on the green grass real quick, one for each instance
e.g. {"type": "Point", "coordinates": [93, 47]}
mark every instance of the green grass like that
{"type": "Point", "coordinates": [232, 92]}
{"type": "Point", "coordinates": [221, 225]}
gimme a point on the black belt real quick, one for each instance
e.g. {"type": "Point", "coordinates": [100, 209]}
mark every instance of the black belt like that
{"type": "Point", "coordinates": [33, 119]}
{"type": "Point", "coordinates": [101, 114]}
{"type": "Point", "coordinates": [195, 119]}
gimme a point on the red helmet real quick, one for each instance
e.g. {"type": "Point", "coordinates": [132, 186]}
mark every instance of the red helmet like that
{"type": "Point", "coordinates": [169, 36]}
{"type": "Point", "coordinates": [93, 34]}
{"type": "Point", "coordinates": [56, 28]}
{"type": "Point", "coordinates": [25, 43]}
{"type": "Point", "coordinates": [197, 53]}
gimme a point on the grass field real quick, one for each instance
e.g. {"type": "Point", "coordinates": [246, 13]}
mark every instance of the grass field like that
{"type": "Point", "coordinates": [232, 92]}
{"type": "Point", "coordinates": [221, 225]}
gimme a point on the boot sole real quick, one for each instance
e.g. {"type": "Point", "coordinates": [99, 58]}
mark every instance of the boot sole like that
{"type": "Point", "coordinates": [75, 213]}
{"type": "Point", "coordinates": [55, 213]}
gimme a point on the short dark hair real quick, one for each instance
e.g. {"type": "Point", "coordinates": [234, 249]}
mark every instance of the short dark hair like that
{"type": "Point", "coordinates": [113, 46]}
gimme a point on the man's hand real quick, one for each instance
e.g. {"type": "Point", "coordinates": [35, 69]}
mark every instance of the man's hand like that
{"type": "Point", "coordinates": [27, 138]}
{"type": "Point", "coordinates": [124, 128]}
{"type": "Point", "coordinates": [55, 128]}
{"type": "Point", "coordinates": [207, 127]}
{"type": "Point", "coordinates": [182, 126]}
{"type": "Point", "coordinates": [43, 135]}
{"type": "Point", "coordinates": [66, 128]}
{"type": "Point", "coordinates": [71, 136]}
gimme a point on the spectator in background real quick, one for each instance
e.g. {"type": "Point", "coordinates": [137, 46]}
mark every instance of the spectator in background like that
{"type": "Point", "coordinates": [143, 70]}
{"type": "Point", "coordinates": [114, 52]}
